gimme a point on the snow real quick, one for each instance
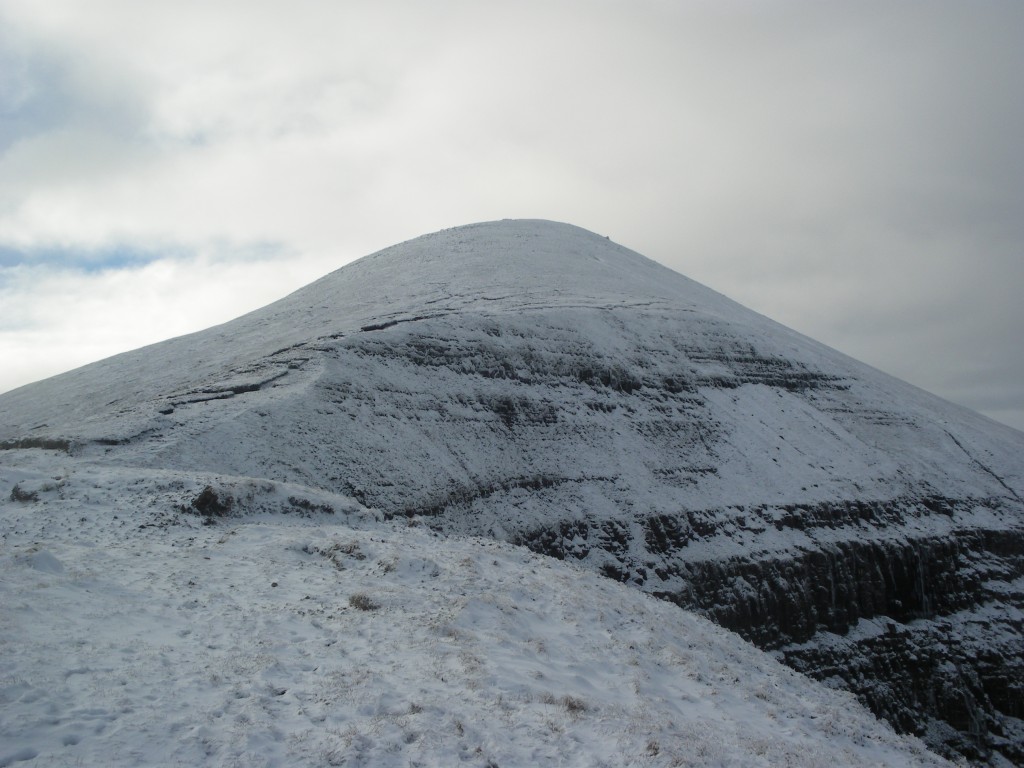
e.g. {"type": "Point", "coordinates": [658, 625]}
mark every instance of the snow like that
{"type": "Point", "coordinates": [519, 312]}
{"type": "Point", "coordinates": [460, 370]}
{"type": "Point", "coordinates": [133, 634]}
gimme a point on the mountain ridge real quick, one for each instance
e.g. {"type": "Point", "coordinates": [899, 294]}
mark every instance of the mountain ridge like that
{"type": "Point", "coordinates": [308, 634]}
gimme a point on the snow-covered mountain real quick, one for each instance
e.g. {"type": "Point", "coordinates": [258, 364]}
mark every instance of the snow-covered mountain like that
{"type": "Point", "coordinates": [536, 384]}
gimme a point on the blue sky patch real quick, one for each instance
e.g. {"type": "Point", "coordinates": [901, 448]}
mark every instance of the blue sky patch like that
{"type": "Point", "coordinates": [83, 260]}
{"type": "Point", "coordinates": [126, 256]}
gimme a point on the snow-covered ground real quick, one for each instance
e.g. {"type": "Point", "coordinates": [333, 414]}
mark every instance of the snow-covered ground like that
{"type": "Point", "coordinates": [134, 634]}
{"type": "Point", "coordinates": [509, 380]}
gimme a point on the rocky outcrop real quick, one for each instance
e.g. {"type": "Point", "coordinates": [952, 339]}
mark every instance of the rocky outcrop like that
{"type": "Point", "coordinates": [925, 630]}
{"type": "Point", "coordinates": [954, 680]}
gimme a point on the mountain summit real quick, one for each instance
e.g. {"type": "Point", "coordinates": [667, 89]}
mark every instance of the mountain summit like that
{"type": "Point", "coordinates": [538, 384]}
{"type": "Point", "coordinates": [488, 269]}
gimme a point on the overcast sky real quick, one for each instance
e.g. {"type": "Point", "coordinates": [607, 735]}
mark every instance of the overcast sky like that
{"type": "Point", "coordinates": [854, 170]}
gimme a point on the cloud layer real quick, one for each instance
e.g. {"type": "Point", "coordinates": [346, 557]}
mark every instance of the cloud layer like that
{"type": "Point", "coordinates": [851, 170]}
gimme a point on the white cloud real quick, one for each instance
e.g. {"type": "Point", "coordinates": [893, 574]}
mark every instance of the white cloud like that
{"type": "Point", "coordinates": [57, 319]}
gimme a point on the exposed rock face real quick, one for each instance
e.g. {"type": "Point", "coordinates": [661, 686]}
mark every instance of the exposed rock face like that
{"type": "Point", "coordinates": [927, 631]}
{"type": "Point", "coordinates": [536, 383]}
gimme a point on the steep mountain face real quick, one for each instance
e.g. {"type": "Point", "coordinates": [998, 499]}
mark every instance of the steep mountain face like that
{"type": "Point", "coordinates": [538, 384]}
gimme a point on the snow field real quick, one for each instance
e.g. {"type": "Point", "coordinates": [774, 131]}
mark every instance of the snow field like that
{"type": "Point", "coordinates": [132, 634]}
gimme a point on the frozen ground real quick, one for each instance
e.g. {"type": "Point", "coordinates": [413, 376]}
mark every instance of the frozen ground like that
{"type": "Point", "coordinates": [133, 634]}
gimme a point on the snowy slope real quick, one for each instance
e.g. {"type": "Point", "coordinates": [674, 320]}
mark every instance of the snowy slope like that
{"type": "Point", "coordinates": [536, 384]}
{"type": "Point", "coordinates": [488, 311]}
{"type": "Point", "coordinates": [131, 634]}
{"type": "Point", "coordinates": [487, 268]}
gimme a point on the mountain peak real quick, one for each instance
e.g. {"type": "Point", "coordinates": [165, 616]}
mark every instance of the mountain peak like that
{"type": "Point", "coordinates": [494, 266]}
